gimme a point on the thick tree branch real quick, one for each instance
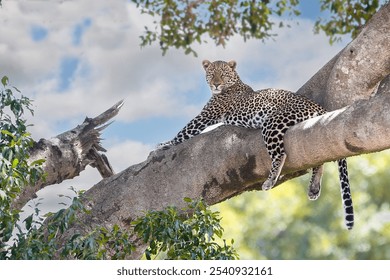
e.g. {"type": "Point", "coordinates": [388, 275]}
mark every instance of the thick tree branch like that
{"type": "Point", "coordinates": [67, 154]}
{"type": "Point", "coordinates": [230, 160]}
{"type": "Point", "coordinates": [354, 73]}
{"type": "Point", "coordinates": [363, 127]}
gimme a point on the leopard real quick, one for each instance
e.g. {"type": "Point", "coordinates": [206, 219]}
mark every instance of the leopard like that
{"type": "Point", "coordinates": [272, 111]}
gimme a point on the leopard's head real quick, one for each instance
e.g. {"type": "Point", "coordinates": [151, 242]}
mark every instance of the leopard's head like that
{"type": "Point", "coordinates": [220, 75]}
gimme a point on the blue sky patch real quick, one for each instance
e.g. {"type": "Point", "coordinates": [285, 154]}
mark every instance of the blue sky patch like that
{"type": "Point", "coordinates": [150, 130]}
{"type": "Point", "coordinates": [68, 68]}
{"type": "Point", "coordinates": [38, 33]}
{"type": "Point", "coordinates": [79, 31]}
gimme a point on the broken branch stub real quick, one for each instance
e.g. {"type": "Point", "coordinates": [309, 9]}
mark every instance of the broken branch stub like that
{"type": "Point", "coordinates": [68, 154]}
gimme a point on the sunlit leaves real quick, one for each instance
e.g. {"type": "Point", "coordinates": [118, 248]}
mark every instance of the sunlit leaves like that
{"type": "Point", "coordinates": [307, 229]}
{"type": "Point", "coordinates": [186, 234]}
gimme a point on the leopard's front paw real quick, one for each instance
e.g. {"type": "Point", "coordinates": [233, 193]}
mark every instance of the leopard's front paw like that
{"type": "Point", "coordinates": [164, 145]}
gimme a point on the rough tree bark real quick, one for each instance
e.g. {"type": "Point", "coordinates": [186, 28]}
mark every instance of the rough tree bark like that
{"type": "Point", "coordinates": [230, 160]}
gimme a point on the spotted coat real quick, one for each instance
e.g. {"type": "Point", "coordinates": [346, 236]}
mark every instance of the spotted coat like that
{"type": "Point", "coordinates": [272, 111]}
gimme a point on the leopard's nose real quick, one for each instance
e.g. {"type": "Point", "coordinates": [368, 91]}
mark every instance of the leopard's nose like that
{"type": "Point", "coordinates": [216, 85]}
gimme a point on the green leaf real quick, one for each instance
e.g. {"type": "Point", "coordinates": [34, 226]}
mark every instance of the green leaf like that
{"type": "Point", "coordinates": [15, 163]}
{"type": "Point", "coordinates": [4, 80]}
{"type": "Point", "coordinates": [6, 132]}
{"type": "Point", "coordinates": [28, 221]}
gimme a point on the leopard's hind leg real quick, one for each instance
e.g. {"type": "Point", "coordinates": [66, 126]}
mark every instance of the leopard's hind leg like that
{"type": "Point", "coordinates": [315, 183]}
{"type": "Point", "coordinates": [273, 131]}
{"type": "Point", "coordinates": [276, 168]}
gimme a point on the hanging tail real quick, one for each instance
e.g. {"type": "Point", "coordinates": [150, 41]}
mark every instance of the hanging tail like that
{"type": "Point", "coordinates": [346, 193]}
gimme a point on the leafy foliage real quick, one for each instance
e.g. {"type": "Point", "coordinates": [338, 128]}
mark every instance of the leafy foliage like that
{"type": "Point", "coordinates": [189, 236]}
{"type": "Point", "coordinates": [43, 244]}
{"type": "Point", "coordinates": [183, 23]}
{"type": "Point", "coordinates": [347, 17]}
{"type": "Point", "coordinates": [185, 235]}
{"type": "Point", "coordinates": [15, 170]}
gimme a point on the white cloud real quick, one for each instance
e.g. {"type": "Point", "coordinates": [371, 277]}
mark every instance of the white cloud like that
{"type": "Point", "coordinates": [127, 153]}
{"type": "Point", "coordinates": [287, 61]}
{"type": "Point", "coordinates": [112, 66]}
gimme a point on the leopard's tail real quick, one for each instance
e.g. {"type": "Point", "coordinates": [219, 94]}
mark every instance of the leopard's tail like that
{"type": "Point", "coordinates": [346, 193]}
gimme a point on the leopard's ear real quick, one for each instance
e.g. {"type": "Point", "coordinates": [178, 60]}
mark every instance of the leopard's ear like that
{"type": "Point", "coordinates": [232, 64]}
{"type": "Point", "coordinates": [206, 64]}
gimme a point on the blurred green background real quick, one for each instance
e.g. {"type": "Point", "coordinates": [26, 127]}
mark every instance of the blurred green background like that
{"type": "Point", "coordinates": [284, 224]}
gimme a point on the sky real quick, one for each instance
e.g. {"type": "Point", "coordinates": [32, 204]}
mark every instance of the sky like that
{"type": "Point", "coordinates": [78, 58]}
